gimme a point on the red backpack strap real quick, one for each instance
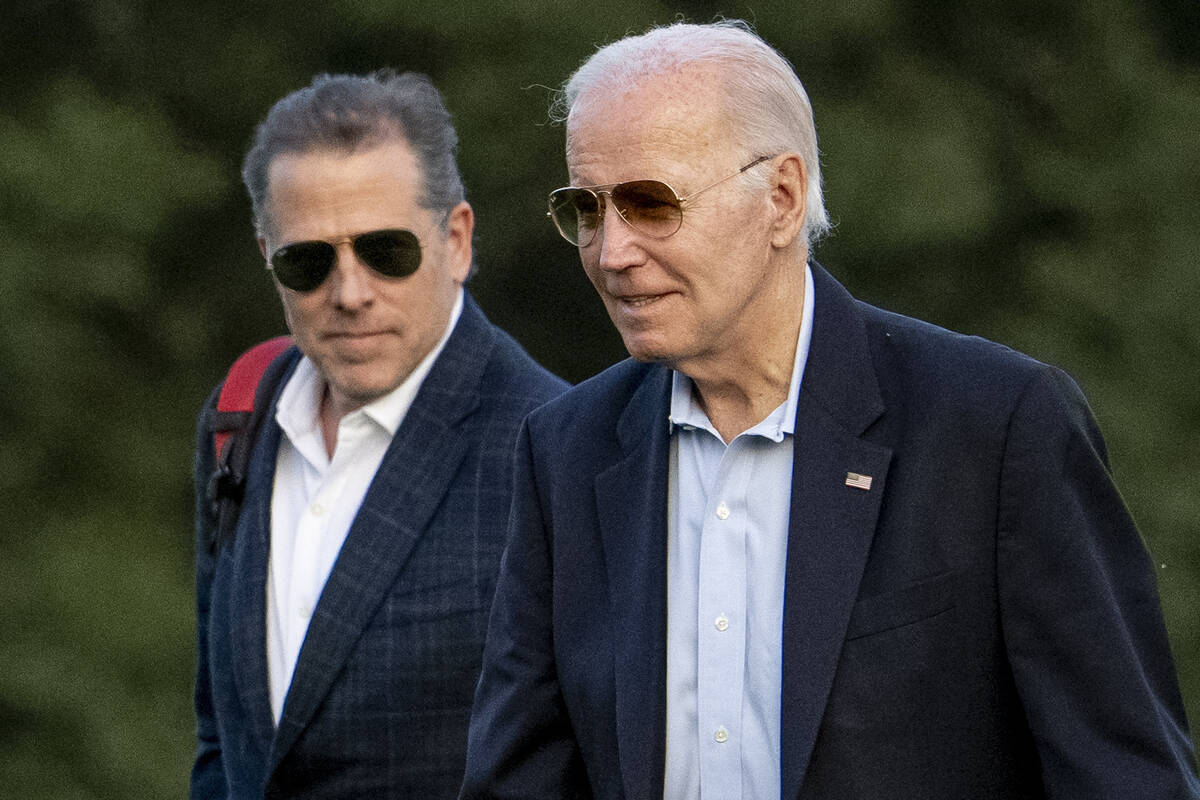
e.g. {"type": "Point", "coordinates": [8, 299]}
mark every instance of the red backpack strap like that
{"type": "Point", "coordinates": [234, 424]}
{"type": "Point", "coordinates": [241, 385]}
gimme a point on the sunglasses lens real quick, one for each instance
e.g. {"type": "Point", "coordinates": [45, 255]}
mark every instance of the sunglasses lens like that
{"type": "Point", "coordinates": [391, 253]}
{"type": "Point", "coordinates": [576, 214]}
{"type": "Point", "coordinates": [303, 266]}
{"type": "Point", "coordinates": [649, 206]}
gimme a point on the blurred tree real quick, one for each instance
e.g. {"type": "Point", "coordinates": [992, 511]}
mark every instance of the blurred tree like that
{"type": "Point", "coordinates": [1024, 172]}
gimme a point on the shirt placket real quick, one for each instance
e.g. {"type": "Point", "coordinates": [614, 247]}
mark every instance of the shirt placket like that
{"type": "Point", "coordinates": [309, 562]}
{"type": "Point", "coordinates": [721, 629]}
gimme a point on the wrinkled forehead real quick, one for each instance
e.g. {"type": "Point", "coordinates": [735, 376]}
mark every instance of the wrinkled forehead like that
{"type": "Point", "coordinates": [678, 93]}
{"type": "Point", "coordinates": [680, 116]}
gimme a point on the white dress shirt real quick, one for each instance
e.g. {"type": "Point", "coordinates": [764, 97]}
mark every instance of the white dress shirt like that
{"type": "Point", "coordinates": [315, 499]}
{"type": "Point", "coordinates": [727, 524]}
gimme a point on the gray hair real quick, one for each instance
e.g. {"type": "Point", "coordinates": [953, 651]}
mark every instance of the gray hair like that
{"type": "Point", "coordinates": [350, 112]}
{"type": "Point", "coordinates": [764, 96]}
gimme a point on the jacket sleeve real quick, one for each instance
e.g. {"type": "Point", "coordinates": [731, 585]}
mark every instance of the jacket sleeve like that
{"type": "Point", "coordinates": [520, 742]}
{"type": "Point", "coordinates": [208, 774]}
{"type": "Point", "coordinates": [1082, 624]}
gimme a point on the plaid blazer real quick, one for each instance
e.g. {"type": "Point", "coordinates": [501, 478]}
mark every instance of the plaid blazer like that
{"type": "Point", "coordinates": [381, 694]}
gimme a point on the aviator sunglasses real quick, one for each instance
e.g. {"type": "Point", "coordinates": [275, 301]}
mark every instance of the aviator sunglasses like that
{"type": "Point", "coordinates": [303, 266]}
{"type": "Point", "coordinates": [650, 207]}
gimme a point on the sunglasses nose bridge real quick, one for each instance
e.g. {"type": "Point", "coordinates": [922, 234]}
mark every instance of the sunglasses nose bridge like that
{"type": "Point", "coordinates": [603, 202]}
{"type": "Point", "coordinates": [349, 276]}
{"type": "Point", "coordinates": [346, 266]}
{"type": "Point", "coordinates": [603, 199]}
{"type": "Point", "coordinates": [343, 249]}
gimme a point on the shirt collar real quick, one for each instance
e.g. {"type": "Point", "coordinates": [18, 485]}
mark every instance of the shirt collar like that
{"type": "Point", "coordinates": [300, 401]}
{"type": "Point", "coordinates": [686, 413]}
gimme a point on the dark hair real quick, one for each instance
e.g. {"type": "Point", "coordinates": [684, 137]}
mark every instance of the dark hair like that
{"type": "Point", "coordinates": [349, 112]}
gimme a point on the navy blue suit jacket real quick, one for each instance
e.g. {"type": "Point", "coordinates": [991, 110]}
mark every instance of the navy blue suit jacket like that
{"type": "Point", "coordinates": [982, 622]}
{"type": "Point", "coordinates": [381, 694]}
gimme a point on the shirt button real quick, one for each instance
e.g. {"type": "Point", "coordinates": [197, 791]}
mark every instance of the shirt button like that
{"type": "Point", "coordinates": [722, 735]}
{"type": "Point", "coordinates": [722, 511]}
{"type": "Point", "coordinates": [722, 622]}
{"type": "Point", "coordinates": [317, 509]}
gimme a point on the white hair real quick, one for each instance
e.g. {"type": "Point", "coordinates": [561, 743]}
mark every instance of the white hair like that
{"type": "Point", "coordinates": [764, 97]}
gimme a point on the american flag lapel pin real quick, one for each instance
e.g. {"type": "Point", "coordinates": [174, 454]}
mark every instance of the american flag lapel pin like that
{"type": "Point", "coordinates": [856, 481]}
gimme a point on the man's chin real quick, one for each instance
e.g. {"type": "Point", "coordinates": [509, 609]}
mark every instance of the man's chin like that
{"type": "Point", "coordinates": [648, 350]}
{"type": "Point", "coordinates": [355, 393]}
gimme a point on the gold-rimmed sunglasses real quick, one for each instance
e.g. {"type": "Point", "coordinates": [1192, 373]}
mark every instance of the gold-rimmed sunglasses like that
{"type": "Point", "coordinates": [650, 207]}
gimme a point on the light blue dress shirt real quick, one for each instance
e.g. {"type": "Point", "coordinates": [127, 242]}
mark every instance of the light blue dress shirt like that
{"type": "Point", "coordinates": [728, 512]}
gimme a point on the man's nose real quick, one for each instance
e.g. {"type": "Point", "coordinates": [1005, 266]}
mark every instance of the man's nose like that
{"type": "Point", "coordinates": [616, 238]}
{"type": "Point", "coordinates": [352, 287]}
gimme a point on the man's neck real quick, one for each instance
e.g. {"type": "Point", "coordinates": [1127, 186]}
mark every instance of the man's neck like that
{"type": "Point", "coordinates": [331, 414]}
{"type": "Point", "coordinates": [742, 386]}
{"type": "Point", "coordinates": [741, 391]}
{"type": "Point", "coordinates": [735, 406]}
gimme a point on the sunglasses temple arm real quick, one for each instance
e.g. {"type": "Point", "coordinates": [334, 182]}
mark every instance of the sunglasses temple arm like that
{"type": "Point", "coordinates": [752, 164]}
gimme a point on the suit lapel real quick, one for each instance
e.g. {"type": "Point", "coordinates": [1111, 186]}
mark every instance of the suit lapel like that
{"type": "Point", "coordinates": [248, 617]}
{"type": "Point", "coordinates": [633, 521]}
{"type": "Point", "coordinates": [832, 523]}
{"type": "Point", "coordinates": [412, 480]}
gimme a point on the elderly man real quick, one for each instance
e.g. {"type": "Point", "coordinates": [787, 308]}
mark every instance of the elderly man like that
{"type": "Point", "coordinates": [341, 626]}
{"type": "Point", "coordinates": [798, 547]}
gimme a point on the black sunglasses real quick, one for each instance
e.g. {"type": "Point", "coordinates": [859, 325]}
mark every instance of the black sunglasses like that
{"type": "Point", "coordinates": [651, 207]}
{"type": "Point", "coordinates": [303, 266]}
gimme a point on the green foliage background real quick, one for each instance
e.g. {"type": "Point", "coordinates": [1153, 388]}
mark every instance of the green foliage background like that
{"type": "Point", "coordinates": [1026, 171]}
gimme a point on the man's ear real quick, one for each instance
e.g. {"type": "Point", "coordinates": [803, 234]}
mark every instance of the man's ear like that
{"type": "Point", "coordinates": [460, 227]}
{"type": "Point", "coordinates": [262, 246]}
{"type": "Point", "coordinates": [789, 199]}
